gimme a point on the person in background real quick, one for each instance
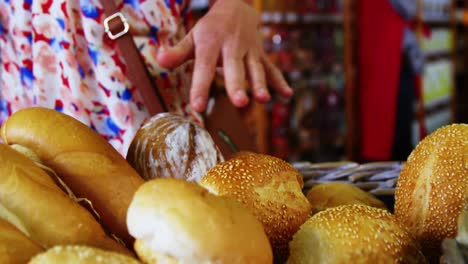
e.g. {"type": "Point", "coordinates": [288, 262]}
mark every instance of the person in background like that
{"type": "Point", "coordinates": [55, 54]}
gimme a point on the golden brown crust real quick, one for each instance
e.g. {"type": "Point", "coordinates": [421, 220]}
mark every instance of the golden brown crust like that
{"type": "Point", "coordinates": [432, 186]}
{"type": "Point", "coordinates": [169, 145]}
{"type": "Point", "coordinates": [353, 234]}
{"type": "Point", "coordinates": [334, 194]}
{"type": "Point", "coordinates": [148, 256]}
{"type": "Point", "coordinates": [175, 220]}
{"type": "Point", "coordinates": [86, 162]}
{"type": "Point", "coordinates": [15, 247]}
{"type": "Point", "coordinates": [40, 209]}
{"type": "Point", "coordinates": [75, 254]}
{"type": "Point", "coordinates": [270, 188]}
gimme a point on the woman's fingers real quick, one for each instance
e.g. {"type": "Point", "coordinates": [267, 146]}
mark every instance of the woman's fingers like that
{"type": "Point", "coordinates": [234, 76]}
{"type": "Point", "coordinates": [228, 35]}
{"type": "Point", "coordinates": [275, 78]}
{"type": "Point", "coordinates": [256, 76]}
{"type": "Point", "coordinates": [204, 72]}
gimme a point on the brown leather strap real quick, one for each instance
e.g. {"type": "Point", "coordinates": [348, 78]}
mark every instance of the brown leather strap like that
{"type": "Point", "coordinates": [136, 71]}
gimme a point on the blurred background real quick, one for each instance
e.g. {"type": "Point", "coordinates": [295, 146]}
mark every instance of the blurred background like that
{"type": "Point", "coordinates": [371, 77]}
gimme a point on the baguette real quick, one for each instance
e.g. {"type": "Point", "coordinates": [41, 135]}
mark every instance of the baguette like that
{"type": "Point", "coordinates": [31, 200]}
{"type": "Point", "coordinates": [83, 159]}
{"type": "Point", "coordinates": [81, 255]}
{"type": "Point", "coordinates": [15, 247]}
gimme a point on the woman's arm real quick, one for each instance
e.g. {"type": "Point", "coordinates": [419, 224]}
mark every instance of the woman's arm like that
{"type": "Point", "coordinates": [227, 34]}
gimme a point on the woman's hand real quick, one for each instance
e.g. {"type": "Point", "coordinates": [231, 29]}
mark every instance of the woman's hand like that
{"type": "Point", "coordinates": [227, 34]}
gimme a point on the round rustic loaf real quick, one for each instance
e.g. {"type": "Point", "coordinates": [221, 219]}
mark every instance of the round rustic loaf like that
{"type": "Point", "coordinates": [169, 145]}
{"type": "Point", "coordinates": [432, 186]}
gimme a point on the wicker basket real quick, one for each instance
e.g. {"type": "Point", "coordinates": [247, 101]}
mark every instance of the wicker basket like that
{"type": "Point", "coordinates": [377, 178]}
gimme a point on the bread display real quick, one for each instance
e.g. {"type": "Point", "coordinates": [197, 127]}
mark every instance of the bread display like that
{"type": "Point", "coordinates": [81, 255]}
{"type": "Point", "coordinates": [67, 196]}
{"type": "Point", "coordinates": [431, 190]}
{"type": "Point", "coordinates": [270, 187]}
{"type": "Point", "coordinates": [83, 159]}
{"type": "Point", "coordinates": [15, 247]}
{"type": "Point", "coordinates": [332, 194]}
{"type": "Point", "coordinates": [175, 221]}
{"type": "Point", "coordinates": [31, 200]}
{"type": "Point", "coordinates": [353, 234]}
{"type": "Point", "coordinates": [169, 145]}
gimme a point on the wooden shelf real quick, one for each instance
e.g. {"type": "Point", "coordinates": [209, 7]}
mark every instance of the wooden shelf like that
{"type": "Point", "coordinates": [438, 22]}
{"type": "Point", "coordinates": [437, 54]}
{"type": "Point", "coordinates": [436, 105]}
{"type": "Point", "coordinates": [344, 22]}
{"type": "Point", "coordinates": [294, 19]}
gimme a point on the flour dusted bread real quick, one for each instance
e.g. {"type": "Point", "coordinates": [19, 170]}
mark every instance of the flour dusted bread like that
{"type": "Point", "coordinates": [432, 186]}
{"type": "Point", "coordinates": [270, 187]}
{"type": "Point", "coordinates": [169, 145]}
{"type": "Point", "coordinates": [15, 247]}
{"type": "Point", "coordinates": [75, 254]}
{"type": "Point", "coordinates": [175, 221]}
{"type": "Point", "coordinates": [353, 234]}
{"type": "Point", "coordinates": [31, 200]}
{"type": "Point", "coordinates": [83, 159]}
{"type": "Point", "coordinates": [332, 194]}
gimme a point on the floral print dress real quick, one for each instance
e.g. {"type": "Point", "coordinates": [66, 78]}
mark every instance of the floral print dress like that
{"type": "Point", "coordinates": [54, 53]}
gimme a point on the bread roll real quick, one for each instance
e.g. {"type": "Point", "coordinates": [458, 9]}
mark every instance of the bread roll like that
{"type": "Point", "coordinates": [84, 160]}
{"type": "Point", "coordinates": [270, 187]}
{"type": "Point", "coordinates": [150, 256]}
{"type": "Point", "coordinates": [74, 254]}
{"type": "Point", "coordinates": [15, 247]}
{"type": "Point", "coordinates": [175, 221]}
{"type": "Point", "coordinates": [32, 201]}
{"type": "Point", "coordinates": [327, 195]}
{"type": "Point", "coordinates": [353, 234]}
{"type": "Point", "coordinates": [168, 145]}
{"type": "Point", "coordinates": [431, 189]}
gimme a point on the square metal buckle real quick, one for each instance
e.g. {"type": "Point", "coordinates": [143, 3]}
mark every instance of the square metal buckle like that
{"type": "Point", "coordinates": [123, 20]}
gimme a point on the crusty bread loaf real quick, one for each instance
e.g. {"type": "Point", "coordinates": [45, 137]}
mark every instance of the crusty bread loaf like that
{"type": "Point", "coordinates": [353, 234]}
{"type": "Point", "coordinates": [431, 189]}
{"type": "Point", "coordinates": [31, 200]}
{"type": "Point", "coordinates": [169, 145]}
{"type": "Point", "coordinates": [270, 187]}
{"type": "Point", "coordinates": [84, 160]}
{"type": "Point", "coordinates": [75, 254]}
{"type": "Point", "coordinates": [332, 194]}
{"type": "Point", "coordinates": [15, 247]}
{"type": "Point", "coordinates": [175, 221]}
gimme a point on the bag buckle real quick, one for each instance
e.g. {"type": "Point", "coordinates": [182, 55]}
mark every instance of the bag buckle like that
{"type": "Point", "coordinates": [123, 25]}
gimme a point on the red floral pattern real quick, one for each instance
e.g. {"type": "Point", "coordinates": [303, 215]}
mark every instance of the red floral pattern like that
{"type": "Point", "coordinates": [55, 54]}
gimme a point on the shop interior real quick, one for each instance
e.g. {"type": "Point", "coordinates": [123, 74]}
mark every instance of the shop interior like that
{"type": "Point", "coordinates": [371, 78]}
{"type": "Point", "coordinates": [374, 82]}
